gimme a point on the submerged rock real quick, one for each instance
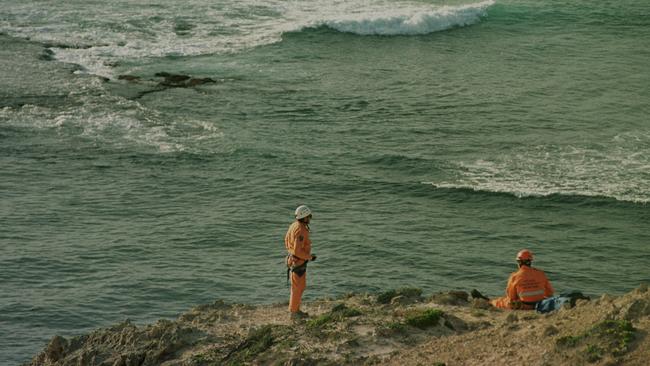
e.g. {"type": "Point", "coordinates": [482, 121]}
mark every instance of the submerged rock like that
{"type": "Point", "coordinates": [140, 86]}
{"type": "Point", "coordinates": [129, 77]}
{"type": "Point", "coordinates": [181, 81]}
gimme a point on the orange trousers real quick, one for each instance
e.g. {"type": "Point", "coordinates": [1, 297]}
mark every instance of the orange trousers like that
{"type": "Point", "coordinates": [506, 303]}
{"type": "Point", "coordinates": [501, 303]}
{"type": "Point", "coordinates": [298, 285]}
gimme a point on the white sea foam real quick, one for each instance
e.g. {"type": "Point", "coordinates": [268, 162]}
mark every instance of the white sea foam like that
{"type": "Point", "coordinates": [101, 36]}
{"type": "Point", "coordinates": [119, 122]}
{"type": "Point", "coordinates": [411, 21]}
{"type": "Point", "coordinates": [619, 170]}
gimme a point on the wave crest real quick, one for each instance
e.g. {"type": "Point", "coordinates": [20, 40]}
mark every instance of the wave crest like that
{"type": "Point", "coordinates": [409, 23]}
{"type": "Point", "coordinates": [615, 169]}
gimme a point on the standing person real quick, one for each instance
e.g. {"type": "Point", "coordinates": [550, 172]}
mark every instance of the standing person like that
{"type": "Point", "coordinates": [299, 254]}
{"type": "Point", "coordinates": [526, 287]}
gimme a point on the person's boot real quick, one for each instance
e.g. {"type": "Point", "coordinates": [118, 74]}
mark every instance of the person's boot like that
{"type": "Point", "coordinates": [299, 315]}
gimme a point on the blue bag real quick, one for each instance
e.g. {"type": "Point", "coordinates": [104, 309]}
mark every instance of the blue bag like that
{"type": "Point", "coordinates": [555, 302]}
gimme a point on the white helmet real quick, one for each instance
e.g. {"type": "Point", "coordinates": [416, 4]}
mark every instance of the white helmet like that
{"type": "Point", "coordinates": [302, 211]}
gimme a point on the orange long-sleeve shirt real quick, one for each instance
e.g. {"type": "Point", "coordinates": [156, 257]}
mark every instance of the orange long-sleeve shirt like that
{"type": "Point", "coordinates": [529, 285]}
{"type": "Point", "coordinates": [298, 243]}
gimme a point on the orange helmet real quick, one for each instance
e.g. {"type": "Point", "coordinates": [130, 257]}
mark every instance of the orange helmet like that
{"type": "Point", "coordinates": [525, 255]}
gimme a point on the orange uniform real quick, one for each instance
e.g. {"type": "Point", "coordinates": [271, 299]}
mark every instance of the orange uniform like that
{"type": "Point", "coordinates": [525, 287]}
{"type": "Point", "coordinates": [298, 246]}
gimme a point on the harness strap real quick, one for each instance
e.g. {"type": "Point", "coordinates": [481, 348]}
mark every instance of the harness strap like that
{"type": "Point", "coordinates": [298, 269]}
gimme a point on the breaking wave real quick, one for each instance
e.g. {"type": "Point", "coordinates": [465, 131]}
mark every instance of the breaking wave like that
{"type": "Point", "coordinates": [617, 170]}
{"type": "Point", "coordinates": [107, 36]}
{"type": "Point", "coordinates": [410, 22]}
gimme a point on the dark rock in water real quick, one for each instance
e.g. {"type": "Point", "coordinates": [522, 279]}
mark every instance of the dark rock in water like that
{"type": "Point", "coordinates": [68, 46]}
{"type": "Point", "coordinates": [183, 28]}
{"type": "Point", "coordinates": [181, 81]}
{"type": "Point", "coordinates": [155, 85]}
{"type": "Point", "coordinates": [131, 78]}
{"type": "Point", "coordinates": [195, 82]}
{"type": "Point", "coordinates": [47, 55]}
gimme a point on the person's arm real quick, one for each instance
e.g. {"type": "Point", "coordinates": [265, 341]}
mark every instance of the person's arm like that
{"type": "Point", "coordinates": [548, 289]}
{"type": "Point", "coordinates": [511, 290]}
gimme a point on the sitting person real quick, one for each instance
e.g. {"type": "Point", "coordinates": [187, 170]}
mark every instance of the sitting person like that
{"type": "Point", "coordinates": [526, 287]}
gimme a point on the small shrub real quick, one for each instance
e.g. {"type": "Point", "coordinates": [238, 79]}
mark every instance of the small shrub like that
{"type": "Point", "coordinates": [594, 353]}
{"type": "Point", "coordinates": [616, 334]}
{"type": "Point", "coordinates": [392, 328]}
{"type": "Point", "coordinates": [385, 297]}
{"type": "Point", "coordinates": [568, 341]}
{"type": "Point", "coordinates": [343, 311]}
{"type": "Point", "coordinates": [424, 319]}
{"type": "Point", "coordinates": [396, 327]}
{"type": "Point", "coordinates": [409, 292]}
{"type": "Point", "coordinates": [320, 321]}
{"type": "Point", "coordinates": [337, 313]}
{"type": "Point", "coordinates": [258, 341]}
{"type": "Point", "coordinates": [608, 337]}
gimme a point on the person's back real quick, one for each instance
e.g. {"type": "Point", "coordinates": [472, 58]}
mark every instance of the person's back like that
{"type": "Point", "coordinates": [526, 287]}
{"type": "Point", "coordinates": [529, 285]}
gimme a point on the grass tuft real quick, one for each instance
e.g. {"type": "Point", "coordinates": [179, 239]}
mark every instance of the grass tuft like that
{"type": "Point", "coordinates": [608, 337]}
{"type": "Point", "coordinates": [338, 313]}
{"type": "Point", "coordinates": [257, 342]}
{"type": "Point", "coordinates": [320, 321]}
{"type": "Point", "coordinates": [568, 341]}
{"type": "Point", "coordinates": [424, 319]}
{"type": "Point", "coordinates": [594, 353]}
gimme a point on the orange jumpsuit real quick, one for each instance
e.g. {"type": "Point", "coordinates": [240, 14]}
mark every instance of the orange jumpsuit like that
{"type": "Point", "coordinates": [298, 246]}
{"type": "Point", "coordinates": [527, 285]}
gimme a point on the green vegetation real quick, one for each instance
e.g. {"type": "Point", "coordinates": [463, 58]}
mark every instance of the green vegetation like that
{"type": "Point", "coordinates": [320, 321]}
{"type": "Point", "coordinates": [594, 353]}
{"type": "Point", "coordinates": [337, 313]}
{"type": "Point", "coordinates": [408, 292]}
{"type": "Point", "coordinates": [608, 337]}
{"type": "Point", "coordinates": [396, 327]}
{"type": "Point", "coordinates": [568, 341]}
{"type": "Point", "coordinates": [257, 342]}
{"type": "Point", "coordinates": [345, 312]}
{"type": "Point", "coordinates": [419, 318]}
{"type": "Point", "coordinates": [617, 335]}
{"type": "Point", "coordinates": [424, 319]}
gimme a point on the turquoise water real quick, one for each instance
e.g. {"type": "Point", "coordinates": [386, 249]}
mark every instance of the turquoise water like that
{"type": "Point", "coordinates": [433, 140]}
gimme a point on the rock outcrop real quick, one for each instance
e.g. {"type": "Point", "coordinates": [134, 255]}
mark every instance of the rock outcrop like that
{"type": "Point", "coordinates": [161, 81]}
{"type": "Point", "coordinates": [398, 327]}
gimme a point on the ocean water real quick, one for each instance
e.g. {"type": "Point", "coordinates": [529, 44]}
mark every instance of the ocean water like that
{"type": "Point", "coordinates": [433, 140]}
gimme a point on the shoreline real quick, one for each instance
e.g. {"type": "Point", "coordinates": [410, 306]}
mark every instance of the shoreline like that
{"type": "Point", "coordinates": [399, 327]}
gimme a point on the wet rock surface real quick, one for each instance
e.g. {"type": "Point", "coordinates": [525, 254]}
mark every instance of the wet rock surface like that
{"type": "Point", "coordinates": [161, 81]}
{"type": "Point", "coordinates": [397, 327]}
